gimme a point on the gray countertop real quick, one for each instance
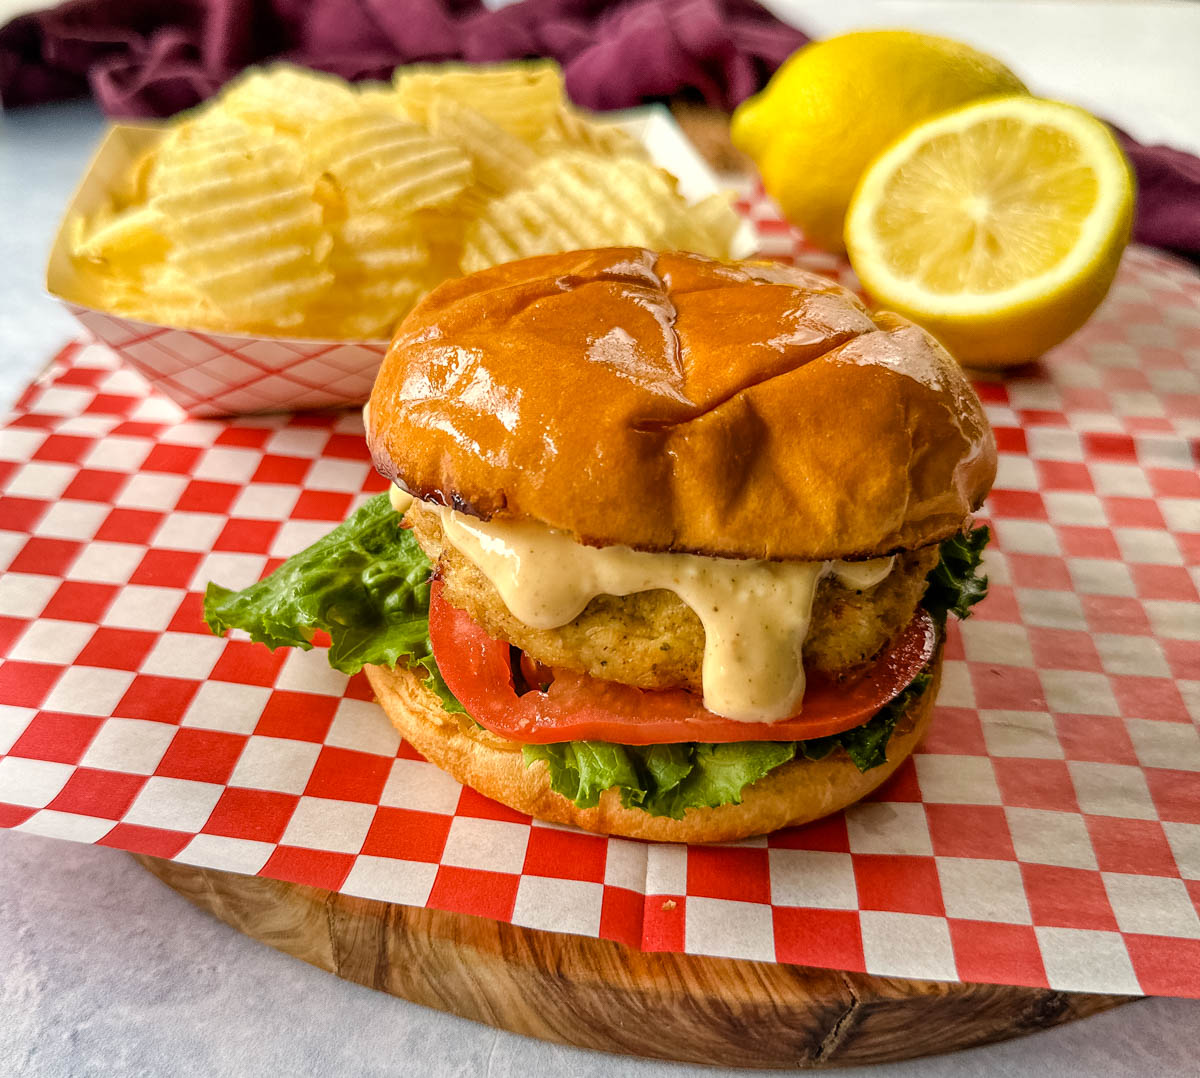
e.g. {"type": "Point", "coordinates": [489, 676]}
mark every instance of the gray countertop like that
{"type": "Point", "coordinates": [107, 972]}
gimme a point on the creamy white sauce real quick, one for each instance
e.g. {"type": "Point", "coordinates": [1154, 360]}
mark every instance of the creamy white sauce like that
{"type": "Point", "coordinates": [755, 614]}
{"type": "Point", "coordinates": [400, 499]}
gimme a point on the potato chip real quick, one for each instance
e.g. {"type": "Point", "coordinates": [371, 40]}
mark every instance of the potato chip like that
{"type": "Point", "coordinates": [560, 215]}
{"type": "Point", "coordinates": [447, 224]}
{"type": "Point", "coordinates": [384, 163]}
{"type": "Point", "coordinates": [370, 94]}
{"type": "Point", "coordinates": [709, 227]}
{"type": "Point", "coordinates": [443, 228]}
{"type": "Point", "coordinates": [328, 195]}
{"type": "Point", "coordinates": [294, 201]}
{"type": "Point", "coordinates": [578, 200]}
{"type": "Point", "coordinates": [133, 236]}
{"type": "Point", "coordinates": [96, 285]}
{"type": "Point", "coordinates": [160, 294]}
{"type": "Point", "coordinates": [282, 97]}
{"type": "Point", "coordinates": [501, 161]}
{"type": "Point", "coordinates": [381, 267]}
{"type": "Point", "coordinates": [134, 187]}
{"type": "Point", "coordinates": [237, 204]}
{"type": "Point", "coordinates": [169, 298]}
{"type": "Point", "coordinates": [571, 127]}
{"type": "Point", "coordinates": [520, 97]}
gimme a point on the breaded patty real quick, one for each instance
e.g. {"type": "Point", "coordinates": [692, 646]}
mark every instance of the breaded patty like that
{"type": "Point", "coordinates": [653, 640]}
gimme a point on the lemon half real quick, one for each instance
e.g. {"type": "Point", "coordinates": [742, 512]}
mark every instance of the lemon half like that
{"type": "Point", "coordinates": [998, 226]}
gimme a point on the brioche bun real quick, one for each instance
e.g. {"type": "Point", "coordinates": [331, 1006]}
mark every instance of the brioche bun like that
{"type": "Point", "coordinates": [672, 402]}
{"type": "Point", "coordinates": [795, 793]}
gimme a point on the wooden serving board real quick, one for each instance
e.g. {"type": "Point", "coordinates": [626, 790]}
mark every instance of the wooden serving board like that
{"type": "Point", "coordinates": [598, 994]}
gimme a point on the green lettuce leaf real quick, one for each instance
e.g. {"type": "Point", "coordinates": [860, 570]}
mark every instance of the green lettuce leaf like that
{"type": "Point", "coordinates": [663, 780]}
{"type": "Point", "coordinates": [583, 770]}
{"type": "Point", "coordinates": [366, 584]}
{"type": "Point", "coordinates": [718, 776]}
{"type": "Point", "coordinates": [667, 780]}
{"type": "Point", "coordinates": [955, 584]}
{"type": "Point", "coordinates": [866, 745]}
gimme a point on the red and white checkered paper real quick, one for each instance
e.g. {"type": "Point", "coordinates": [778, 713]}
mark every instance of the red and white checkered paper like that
{"type": "Point", "coordinates": [1048, 832]}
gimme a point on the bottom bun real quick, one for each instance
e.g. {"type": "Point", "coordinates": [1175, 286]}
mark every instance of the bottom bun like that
{"type": "Point", "coordinates": [795, 793]}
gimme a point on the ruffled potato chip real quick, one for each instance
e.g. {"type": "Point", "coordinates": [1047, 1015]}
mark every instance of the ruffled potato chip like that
{"type": "Point", "coordinates": [571, 128]}
{"type": "Point", "coordinates": [237, 205]}
{"type": "Point", "coordinates": [501, 161]}
{"type": "Point", "coordinates": [130, 237]}
{"type": "Point", "coordinates": [295, 203]}
{"type": "Point", "coordinates": [384, 163]}
{"type": "Point", "coordinates": [380, 265]}
{"type": "Point", "coordinates": [583, 199]}
{"type": "Point", "coordinates": [284, 98]}
{"type": "Point", "coordinates": [521, 97]}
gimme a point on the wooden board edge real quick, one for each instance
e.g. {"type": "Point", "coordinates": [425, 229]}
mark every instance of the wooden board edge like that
{"type": "Point", "coordinates": [602, 995]}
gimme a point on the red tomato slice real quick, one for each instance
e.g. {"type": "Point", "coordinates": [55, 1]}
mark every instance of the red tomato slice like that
{"type": "Point", "coordinates": [478, 669]}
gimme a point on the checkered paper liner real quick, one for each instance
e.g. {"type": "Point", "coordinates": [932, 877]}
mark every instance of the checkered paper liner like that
{"type": "Point", "coordinates": [1047, 833]}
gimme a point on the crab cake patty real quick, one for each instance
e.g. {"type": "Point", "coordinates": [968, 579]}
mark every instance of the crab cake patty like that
{"type": "Point", "coordinates": [653, 640]}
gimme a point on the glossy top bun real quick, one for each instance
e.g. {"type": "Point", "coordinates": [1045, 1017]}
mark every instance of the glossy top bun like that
{"type": "Point", "coordinates": [672, 402]}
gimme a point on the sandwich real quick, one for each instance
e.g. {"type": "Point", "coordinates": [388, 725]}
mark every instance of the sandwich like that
{"type": "Point", "coordinates": [669, 543]}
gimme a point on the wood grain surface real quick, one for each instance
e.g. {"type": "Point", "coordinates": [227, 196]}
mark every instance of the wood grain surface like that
{"type": "Point", "coordinates": [598, 994]}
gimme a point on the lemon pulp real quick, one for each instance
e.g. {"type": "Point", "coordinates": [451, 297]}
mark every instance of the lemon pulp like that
{"type": "Point", "coordinates": [998, 225]}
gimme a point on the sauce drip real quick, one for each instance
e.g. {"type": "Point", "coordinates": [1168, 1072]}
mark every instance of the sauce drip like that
{"type": "Point", "coordinates": [755, 614]}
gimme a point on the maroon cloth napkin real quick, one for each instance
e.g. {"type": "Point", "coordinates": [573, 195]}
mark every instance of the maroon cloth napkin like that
{"type": "Point", "coordinates": [149, 58]}
{"type": "Point", "coordinates": [1168, 196]}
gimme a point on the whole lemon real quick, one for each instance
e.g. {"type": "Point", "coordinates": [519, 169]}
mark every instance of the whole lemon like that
{"type": "Point", "coordinates": [836, 104]}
